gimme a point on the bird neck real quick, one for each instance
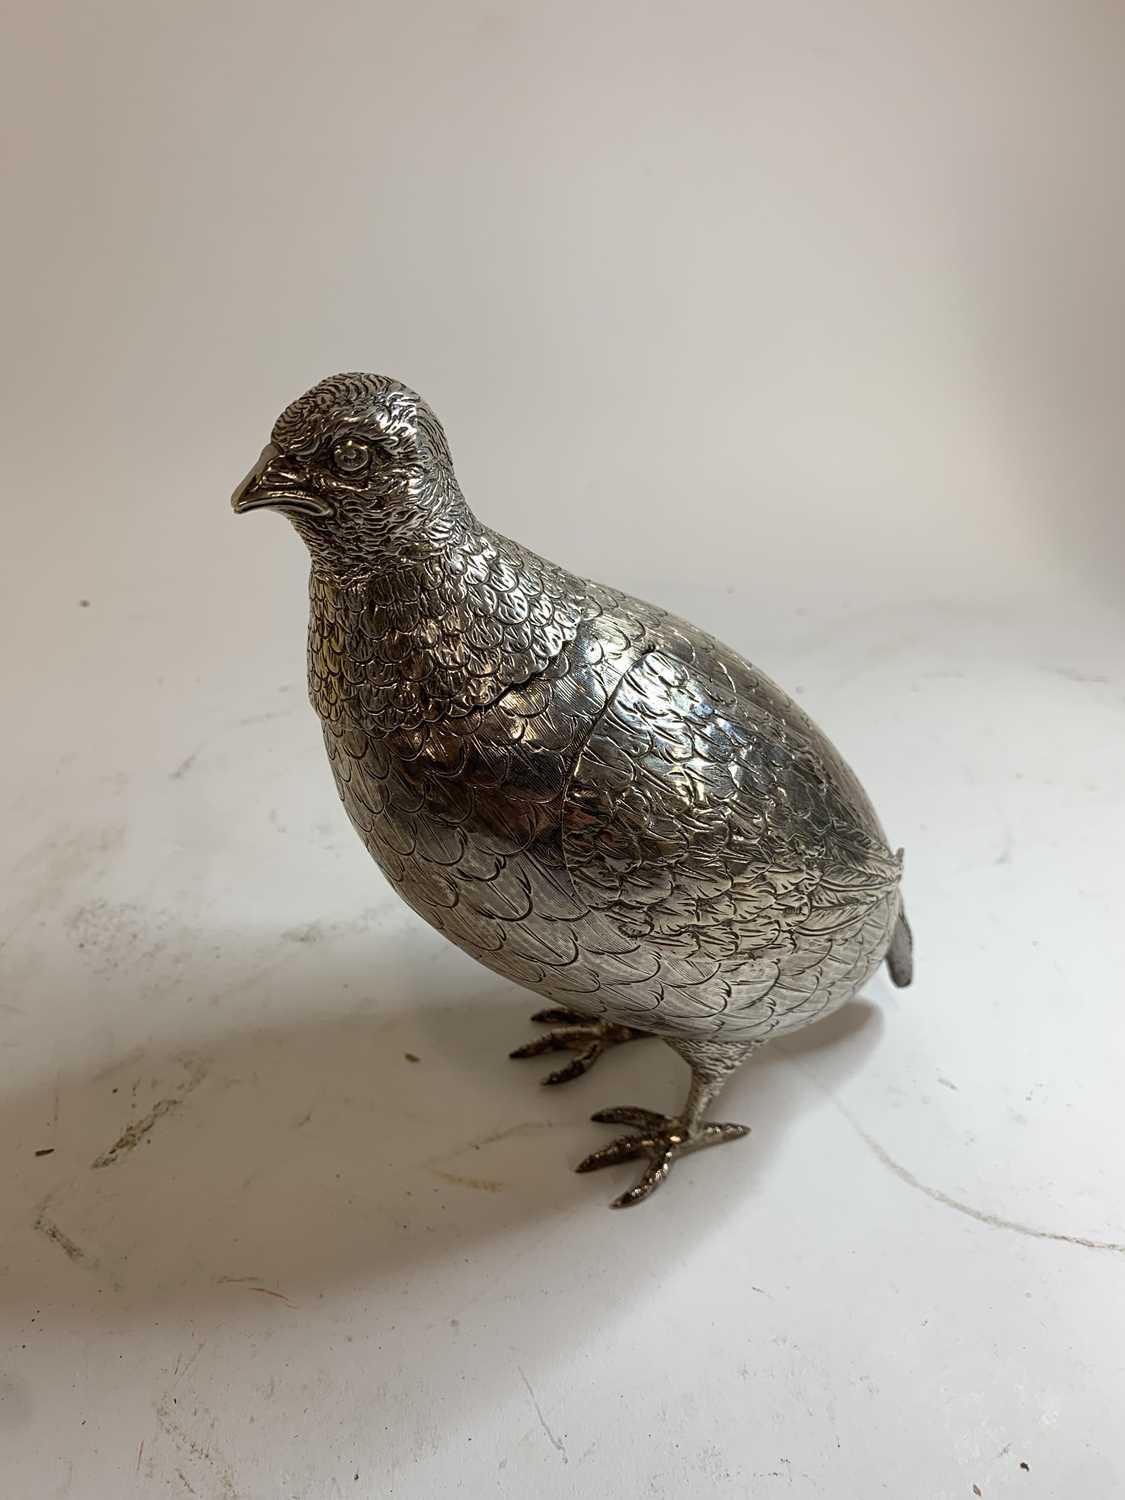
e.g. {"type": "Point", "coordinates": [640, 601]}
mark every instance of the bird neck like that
{"type": "Point", "coordinates": [437, 636]}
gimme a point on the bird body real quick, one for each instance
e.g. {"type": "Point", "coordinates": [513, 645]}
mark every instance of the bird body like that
{"type": "Point", "coordinates": [590, 796]}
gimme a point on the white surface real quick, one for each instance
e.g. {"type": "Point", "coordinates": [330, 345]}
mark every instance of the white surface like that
{"type": "Point", "coordinates": [838, 286]}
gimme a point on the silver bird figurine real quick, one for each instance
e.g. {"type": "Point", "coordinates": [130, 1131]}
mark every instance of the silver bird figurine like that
{"type": "Point", "coordinates": [590, 796]}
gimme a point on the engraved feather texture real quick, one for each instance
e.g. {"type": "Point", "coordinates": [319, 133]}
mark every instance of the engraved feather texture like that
{"type": "Point", "coordinates": [589, 795]}
{"type": "Point", "coordinates": [597, 800]}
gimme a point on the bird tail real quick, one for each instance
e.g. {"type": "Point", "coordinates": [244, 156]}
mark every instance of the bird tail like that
{"type": "Point", "coordinates": [900, 954]}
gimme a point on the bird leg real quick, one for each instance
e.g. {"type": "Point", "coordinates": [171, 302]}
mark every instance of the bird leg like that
{"type": "Point", "coordinates": [663, 1138]}
{"type": "Point", "coordinates": [575, 1032]}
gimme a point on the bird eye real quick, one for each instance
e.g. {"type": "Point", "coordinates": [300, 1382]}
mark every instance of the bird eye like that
{"type": "Point", "coordinates": [351, 457]}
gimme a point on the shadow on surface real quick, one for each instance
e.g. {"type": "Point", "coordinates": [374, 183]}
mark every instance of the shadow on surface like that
{"type": "Point", "coordinates": [298, 1160]}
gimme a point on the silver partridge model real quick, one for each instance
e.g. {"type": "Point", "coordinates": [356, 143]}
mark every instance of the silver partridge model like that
{"type": "Point", "coordinates": [590, 796]}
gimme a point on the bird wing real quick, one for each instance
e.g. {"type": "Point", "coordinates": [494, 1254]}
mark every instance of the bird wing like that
{"type": "Point", "coordinates": [711, 822]}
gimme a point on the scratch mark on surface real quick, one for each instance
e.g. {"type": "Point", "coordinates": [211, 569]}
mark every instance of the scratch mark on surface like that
{"type": "Point", "coordinates": [185, 765]}
{"type": "Point", "coordinates": [119, 1064]}
{"type": "Point", "coordinates": [994, 1221]}
{"type": "Point", "coordinates": [69, 1248]}
{"type": "Point", "coordinates": [263, 718]}
{"type": "Point", "coordinates": [482, 1184]}
{"type": "Point", "coordinates": [555, 1442]}
{"type": "Point", "coordinates": [140, 1455]}
{"type": "Point", "coordinates": [269, 1292]}
{"type": "Point", "coordinates": [178, 1373]}
{"type": "Point", "coordinates": [182, 1477]}
{"type": "Point", "coordinates": [135, 1133]}
{"type": "Point", "coordinates": [982, 1216]}
{"type": "Point", "coordinates": [223, 1280]}
{"type": "Point", "coordinates": [1072, 674]}
{"type": "Point", "coordinates": [502, 1135]}
{"type": "Point", "coordinates": [311, 932]}
{"type": "Point", "coordinates": [948, 1083]}
{"type": "Point", "coordinates": [190, 1446]}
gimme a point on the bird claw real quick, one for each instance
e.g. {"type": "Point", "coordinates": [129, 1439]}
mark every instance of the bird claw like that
{"type": "Point", "coordinates": [628, 1114]}
{"type": "Point", "coordinates": [662, 1138]}
{"type": "Point", "coordinates": [576, 1033]}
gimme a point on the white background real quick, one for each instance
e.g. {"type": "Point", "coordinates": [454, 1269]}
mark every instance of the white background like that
{"type": "Point", "coordinates": [806, 320]}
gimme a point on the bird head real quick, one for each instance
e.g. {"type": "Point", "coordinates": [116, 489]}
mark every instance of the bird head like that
{"type": "Point", "coordinates": [361, 467]}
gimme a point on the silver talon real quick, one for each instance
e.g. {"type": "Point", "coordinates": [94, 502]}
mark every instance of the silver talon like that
{"type": "Point", "coordinates": [577, 1033]}
{"type": "Point", "coordinates": [662, 1138]}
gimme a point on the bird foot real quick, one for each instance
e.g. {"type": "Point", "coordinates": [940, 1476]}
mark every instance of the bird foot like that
{"type": "Point", "coordinates": [577, 1033]}
{"type": "Point", "coordinates": [662, 1138]}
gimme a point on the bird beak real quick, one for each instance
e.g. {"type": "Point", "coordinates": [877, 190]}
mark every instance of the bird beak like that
{"type": "Point", "coordinates": [279, 480]}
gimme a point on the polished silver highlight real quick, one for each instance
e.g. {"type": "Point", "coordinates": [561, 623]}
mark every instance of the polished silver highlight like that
{"type": "Point", "coordinates": [590, 796]}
